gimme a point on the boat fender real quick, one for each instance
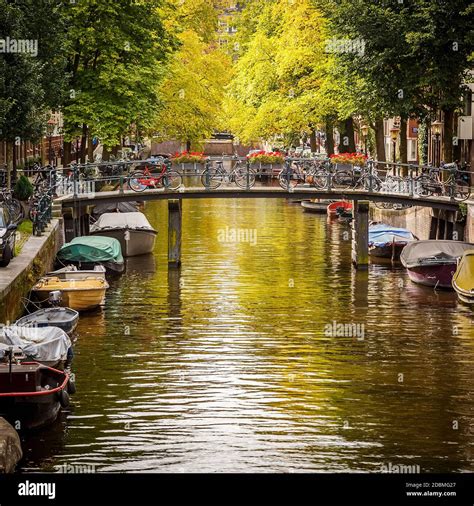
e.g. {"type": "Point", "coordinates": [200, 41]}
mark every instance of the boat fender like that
{"type": "Point", "coordinates": [71, 387]}
{"type": "Point", "coordinates": [63, 398]}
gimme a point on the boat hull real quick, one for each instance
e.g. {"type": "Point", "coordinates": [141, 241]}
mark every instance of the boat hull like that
{"type": "Point", "coordinates": [314, 207]}
{"type": "Point", "coordinates": [133, 242]}
{"type": "Point", "coordinates": [78, 299]}
{"type": "Point", "coordinates": [64, 318]}
{"type": "Point", "coordinates": [387, 250]}
{"type": "Point", "coordinates": [440, 276]}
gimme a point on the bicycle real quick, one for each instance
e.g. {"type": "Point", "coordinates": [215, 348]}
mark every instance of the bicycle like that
{"type": "Point", "coordinates": [244, 177]}
{"type": "Point", "coordinates": [159, 176]}
{"type": "Point", "coordinates": [295, 173]}
{"type": "Point", "coordinates": [455, 186]}
{"type": "Point", "coordinates": [13, 205]}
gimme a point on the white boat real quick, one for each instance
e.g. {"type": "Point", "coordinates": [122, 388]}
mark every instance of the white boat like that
{"type": "Point", "coordinates": [132, 230]}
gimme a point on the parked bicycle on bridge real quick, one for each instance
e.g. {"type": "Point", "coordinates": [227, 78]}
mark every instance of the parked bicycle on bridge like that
{"type": "Point", "coordinates": [242, 175]}
{"type": "Point", "coordinates": [155, 176]}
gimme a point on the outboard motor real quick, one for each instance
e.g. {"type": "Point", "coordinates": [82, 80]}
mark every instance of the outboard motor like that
{"type": "Point", "coordinates": [55, 298]}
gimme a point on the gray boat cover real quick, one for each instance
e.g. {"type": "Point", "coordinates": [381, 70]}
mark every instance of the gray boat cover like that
{"type": "Point", "coordinates": [428, 252]}
{"type": "Point", "coordinates": [118, 207]}
{"type": "Point", "coordinates": [131, 221]}
{"type": "Point", "coordinates": [44, 344]}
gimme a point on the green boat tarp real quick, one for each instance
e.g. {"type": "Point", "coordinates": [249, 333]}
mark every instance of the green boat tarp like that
{"type": "Point", "coordinates": [91, 249]}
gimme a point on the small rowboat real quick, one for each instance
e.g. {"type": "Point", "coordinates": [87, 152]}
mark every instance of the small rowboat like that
{"type": "Point", "coordinates": [315, 206]}
{"type": "Point", "coordinates": [31, 394]}
{"type": "Point", "coordinates": [63, 317]}
{"type": "Point", "coordinates": [463, 279]}
{"type": "Point", "coordinates": [77, 294]}
{"type": "Point", "coordinates": [386, 241]}
{"type": "Point", "coordinates": [333, 207]}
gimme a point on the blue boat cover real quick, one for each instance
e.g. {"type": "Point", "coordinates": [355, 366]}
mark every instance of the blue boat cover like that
{"type": "Point", "coordinates": [382, 234]}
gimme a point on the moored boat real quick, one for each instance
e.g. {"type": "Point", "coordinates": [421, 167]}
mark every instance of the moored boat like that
{"type": "Point", "coordinates": [463, 279]}
{"type": "Point", "coordinates": [333, 208]}
{"type": "Point", "coordinates": [63, 317]}
{"type": "Point", "coordinates": [50, 346]}
{"type": "Point", "coordinates": [77, 294]}
{"type": "Point", "coordinates": [318, 206]}
{"type": "Point", "coordinates": [86, 252]}
{"type": "Point", "coordinates": [433, 263]}
{"type": "Point", "coordinates": [132, 230]}
{"type": "Point", "coordinates": [72, 272]}
{"type": "Point", "coordinates": [386, 241]}
{"type": "Point", "coordinates": [31, 394]}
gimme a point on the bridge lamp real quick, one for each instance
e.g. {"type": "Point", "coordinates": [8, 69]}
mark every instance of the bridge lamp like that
{"type": "Point", "coordinates": [394, 131]}
{"type": "Point", "coordinates": [365, 132]}
{"type": "Point", "coordinates": [437, 127]}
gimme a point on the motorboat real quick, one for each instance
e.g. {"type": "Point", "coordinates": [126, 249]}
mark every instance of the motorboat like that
{"type": "Point", "coordinates": [386, 241]}
{"type": "Point", "coordinates": [72, 272]}
{"type": "Point", "coordinates": [433, 263]}
{"type": "Point", "coordinates": [31, 394]}
{"type": "Point", "coordinates": [86, 252]}
{"type": "Point", "coordinates": [463, 279]}
{"type": "Point", "coordinates": [77, 294]}
{"type": "Point", "coordinates": [50, 346]}
{"type": "Point", "coordinates": [132, 230]}
{"type": "Point", "coordinates": [63, 317]}
{"type": "Point", "coordinates": [117, 207]}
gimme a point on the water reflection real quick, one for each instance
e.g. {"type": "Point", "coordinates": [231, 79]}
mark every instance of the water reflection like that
{"type": "Point", "coordinates": [227, 364]}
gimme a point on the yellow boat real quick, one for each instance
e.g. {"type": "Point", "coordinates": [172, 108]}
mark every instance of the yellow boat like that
{"type": "Point", "coordinates": [78, 294]}
{"type": "Point", "coordinates": [463, 279]}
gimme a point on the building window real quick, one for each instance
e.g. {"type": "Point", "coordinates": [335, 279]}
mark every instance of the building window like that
{"type": "Point", "coordinates": [412, 150]}
{"type": "Point", "coordinates": [467, 104]}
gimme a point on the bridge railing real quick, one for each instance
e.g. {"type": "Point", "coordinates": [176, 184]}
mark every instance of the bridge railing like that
{"type": "Point", "coordinates": [373, 176]}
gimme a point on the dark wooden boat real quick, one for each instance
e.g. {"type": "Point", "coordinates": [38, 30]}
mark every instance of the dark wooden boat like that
{"type": "Point", "coordinates": [63, 317]}
{"type": "Point", "coordinates": [31, 394]}
{"type": "Point", "coordinates": [463, 279]}
{"type": "Point", "coordinates": [433, 263]}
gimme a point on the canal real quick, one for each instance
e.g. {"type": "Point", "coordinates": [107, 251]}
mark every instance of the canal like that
{"type": "Point", "coordinates": [266, 354]}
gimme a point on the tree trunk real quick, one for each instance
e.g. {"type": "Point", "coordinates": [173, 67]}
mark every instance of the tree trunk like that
{"type": "Point", "coordinates": [8, 167]}
{"type": "Point", "coordinates": [67, 153]}
{"type": "Point", "coordinates": [90, 147]}
{"type": "Point", "coordinates": [14, 159]}
{"type": "Point", "coordinates": [403, 144]}
{"type": "Point", "coordinates": [83, 143]}
{"type": "Point", "coordinates": [329, 137]}
{"type": "Point", "coordinates": [447, 153]}
{"type": "Point", "coordinates": [347, 141]}
{"type": "Point", "coordinates": [188, 145]}
{"type": "Point", "coordinates": [380, 140]}
{"type": "Point", "coordinates": [115, 150]}
{"type": "Point", "coordinates": [312, 141]}
{"type": "Point", "coordinates": [105, 154]}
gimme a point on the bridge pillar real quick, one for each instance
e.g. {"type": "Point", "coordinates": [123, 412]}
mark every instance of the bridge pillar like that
{"type": "Point", "coordinates": [174, 232]}
{"type": "Point", "coordinates": [360, 234]}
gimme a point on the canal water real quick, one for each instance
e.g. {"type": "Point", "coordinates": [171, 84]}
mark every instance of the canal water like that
{"type": "Point", "coordinates": [266, 352]}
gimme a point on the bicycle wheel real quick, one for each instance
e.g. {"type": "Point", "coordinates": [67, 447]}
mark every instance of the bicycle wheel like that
{"type": "Point", "coordinates": [373, 185]}
{"type": "Point", "coordinates": [462, 190]}
{"type": "Point", "coordinates": [321, 179]}
{"type": "Point", "coordinates": [343, 179]}
{"type": "Point", "coordinates": [16, 210]}
{"type": "Point", "coordinates": [240, 177]}
{"type": "Point", "coordinates": [138, 181]}
{"type": "Point", "coordinates": [287, 179]}
{"type": "Point", "coordinates": [172, 180]}
{"type": "Point", "coordinates": [212, 179]}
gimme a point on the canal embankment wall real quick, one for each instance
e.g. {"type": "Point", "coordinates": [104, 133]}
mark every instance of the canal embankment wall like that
{"type": "Point", "coordinates": [427, 223]}
{"type": "Point", "coordinates": [17, 279]}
